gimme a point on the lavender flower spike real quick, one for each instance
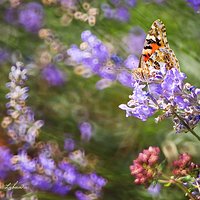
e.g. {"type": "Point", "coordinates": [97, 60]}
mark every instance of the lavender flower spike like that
{"type": "Point", "coordinates": [172, 96]}
{"type": "Point", "coordinates": [97, 58]}
{"type": "Point", "coordinates": [22, 125]}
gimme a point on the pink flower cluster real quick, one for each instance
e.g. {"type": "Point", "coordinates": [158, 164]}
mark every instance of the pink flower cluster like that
{"type": "Point", "coordinates": [144, 168]}
{"type": "Point", "coordinates": [183, 165]}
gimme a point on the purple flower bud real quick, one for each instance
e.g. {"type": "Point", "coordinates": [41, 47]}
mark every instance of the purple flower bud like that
{"type": "Point", "coordinates": [31, 16]}
{"type": "Point", "coordinates": [86, 131]}
{"type": "Point", "coordinates": [195, 4]}
{"type": "Point", "coordinates": [125, 78]}
{"type": "Point", "coordinates": [154, 190]}
{"type": "Point", "coordinates": [69, 144]}
{"type": "Point", "coordinates": [24, 163]}
{"type": "Point", "coordinates": [130, 3]}
{"type": "Point", "coordinates": [107, 73]}
{"type": "Point", "coordinates": [91, 182]}
{"type": "Point", "coordinates": [122, 14]}
{"type": "Point", "coordinates": [135, 40]}
{"type": "Point", "coordinates": [5, 158]}
{"type": "Point", "coordinates": [108, 12]}
{"type": "Point", "coordinates": [131, 62]}
{"type": "Point", "coordinates": [116, 59]}
{"type": "Point", "coordinates": [155, 89]}
{"type": "Point", "coordinates": [76, 54]}
{"type": "Point", "coordinates": [4, 55]}
{"type": "Point", "coordinates": [41, 182]}
{"type": "Point", "coordinates": [53, 75]}
{"type": "Point", "coordinates": [85, 35]}
{"type": "Point", "coordinates": [60, 188]}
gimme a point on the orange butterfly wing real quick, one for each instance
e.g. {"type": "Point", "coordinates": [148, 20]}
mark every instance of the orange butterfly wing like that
{"type": "Point", "coordinates": [155, 52]}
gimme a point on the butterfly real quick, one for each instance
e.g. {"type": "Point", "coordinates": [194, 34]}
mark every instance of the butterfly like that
{"type": "Point", "coordinates": [157, 57]}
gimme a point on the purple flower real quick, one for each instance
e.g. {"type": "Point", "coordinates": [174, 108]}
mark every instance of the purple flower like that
{"type": "Point", "coordinates": [91, 182]}
{"type": "Point", "coordinates": [98, 181]}
{"type": "Point", "coordinates": [131, 62]}
{"type": "Point", "coordinates": [86, 131]}
{"type": "Point", "coordinates": [172, 96]}
{"type": "Point", "coordinates": [94, 55]}
{"type": "Point", "coordinates": [125, 78]}
{"type": "Point", "coordinates": [142, 112]}
{"type": "Point", "coordinates": [60, 188]}
{"type": "Point", "coordinates": [11, 16]}
{"type": "Point", "coordinates": [77, 55]}
{"type": "Point", "coordinates": [130, 3]}
{"type": "Point", "coordinates": [41, 182]}
{"type": "Point", "coordinates": [69, 144]}
{"type": "Point", "coordinates": [119, 10]}
{"type": "Point", "coordinates": [47, 163]}
{"type": "Point", "coordinates": [108, 11]}
{"type": "Point", "coordinates": [53, 75]}
{"type": "Point", "coordinates": [81, 196]}
{"type": "Point", "coordinates": [25, 164]}
{"type": "Point", "coordinates": [135, 40]}
{"type": "Point", "coordinates": [122, 14]}
{"type": "Point", "coordinates": [4, 55]}
{"type": "Point", "coordinates": [173, 82]}
{"type": "Point", "coordinates": [69, 172]}
{"type": "Point", "coordinates": [119, 13]}
{"type": "Point", "coordinates": [116, 59]}
{"type": "Point", "coordinates": [5, 162]}
{"type": "Point", "coordinates": [107, 73]}
{"type": "Point", "coordinates": [154, 189]}
{"type": "Point", "coordinates": [43, 167]}
{"type": "Point", "coordinates": [58, 174]}
{"type": "Point", "coordinates": [31, 16]}
{"type": "Point", "coordinates": [155, 89]}
{"type": "Point", "coordinates": [23, 126]}
{"type": "Point", "coordinates": [195, 4]}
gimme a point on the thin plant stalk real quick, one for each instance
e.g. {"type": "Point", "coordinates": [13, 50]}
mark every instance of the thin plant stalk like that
{"type": "Point", "coordinates": [178, 184]}
{"type": "Point", "coordinates": [187, 126]}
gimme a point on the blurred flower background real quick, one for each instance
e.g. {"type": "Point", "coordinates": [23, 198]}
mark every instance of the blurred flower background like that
{"type": "Point", "coordinates": [63, 135]}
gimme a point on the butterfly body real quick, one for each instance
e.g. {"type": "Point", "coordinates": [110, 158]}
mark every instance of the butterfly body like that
{"type": "Point", "coordinates": [157, 57]}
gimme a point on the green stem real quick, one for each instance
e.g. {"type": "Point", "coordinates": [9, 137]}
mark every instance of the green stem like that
{"type": "Point", "coordinates": [184, 189]}
{"type": "Point", "coordinates": [163, 181]}
{"type": "Point", "coordinates": [178, 184]}
{"type": "Point", "coordinates": [184, 123]}
{"type": "Point", "coordinates": [187, 126]}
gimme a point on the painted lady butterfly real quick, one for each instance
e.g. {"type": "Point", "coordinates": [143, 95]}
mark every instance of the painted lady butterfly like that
{"type": "Point", "coordinates": [157, 57]}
